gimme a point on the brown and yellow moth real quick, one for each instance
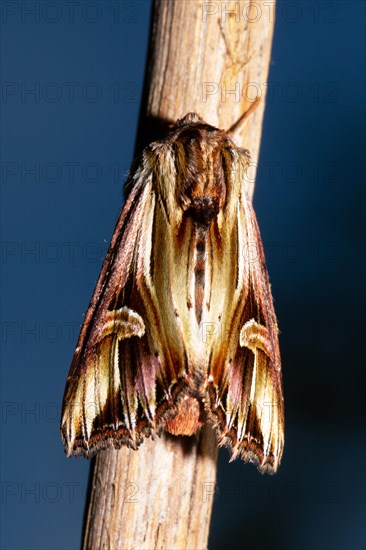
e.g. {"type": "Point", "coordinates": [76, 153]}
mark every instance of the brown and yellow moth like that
{"type": "Point", "coordinates": [181, 327]}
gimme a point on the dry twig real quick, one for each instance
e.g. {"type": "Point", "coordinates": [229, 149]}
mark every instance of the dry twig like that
{"type": "Point", "coordinates": [211, 58]}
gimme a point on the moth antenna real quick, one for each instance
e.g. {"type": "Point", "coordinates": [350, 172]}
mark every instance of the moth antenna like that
{"type": "Point", "coordinates": [239, 124]}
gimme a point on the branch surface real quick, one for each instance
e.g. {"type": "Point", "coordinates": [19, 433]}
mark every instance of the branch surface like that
{"type": "Point", "coordinates": [211, 58]}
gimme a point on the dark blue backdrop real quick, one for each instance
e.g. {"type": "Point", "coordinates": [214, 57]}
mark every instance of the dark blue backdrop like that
{"type": "Point", "coordinates": [71, 85]}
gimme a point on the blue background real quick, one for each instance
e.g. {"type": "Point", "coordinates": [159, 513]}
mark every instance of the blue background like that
{"type": "Point", "coordinates": [77, 133]}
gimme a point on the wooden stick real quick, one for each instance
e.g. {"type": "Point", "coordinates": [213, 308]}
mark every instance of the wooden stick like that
{"type": "Point", "coordinates": [211, 58]}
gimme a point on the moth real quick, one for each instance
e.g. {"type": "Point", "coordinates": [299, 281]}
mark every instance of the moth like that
{"type": "Point", "coordinates": [181, 327]}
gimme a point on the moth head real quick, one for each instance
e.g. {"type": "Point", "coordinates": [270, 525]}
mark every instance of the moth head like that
{"type": "Point", "coordinates": [199, 159]}
{"type": "Point", "coordinates": [198, 170]}
{"type": "Point", "coordinates": [189, 118]}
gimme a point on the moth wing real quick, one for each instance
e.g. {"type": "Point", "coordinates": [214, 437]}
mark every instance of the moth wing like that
{"type": "Point", "coordinates": [128, 368]}
{"type": "Point", "coordinates": [244, 383]}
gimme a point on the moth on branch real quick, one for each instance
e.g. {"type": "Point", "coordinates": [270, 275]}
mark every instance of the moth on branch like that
{"type": "Point", "coordinates": [181, 327]}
